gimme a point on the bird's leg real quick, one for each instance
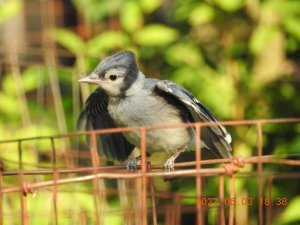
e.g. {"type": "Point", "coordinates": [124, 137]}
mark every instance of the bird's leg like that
{"type": "Point", "coordinates": [132, 163]}
{"type": "Point", "coordinates": [169, 164]}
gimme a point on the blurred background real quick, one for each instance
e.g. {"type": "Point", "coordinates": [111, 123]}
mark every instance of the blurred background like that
{"type": "Point", "coordinates": [241, 58]}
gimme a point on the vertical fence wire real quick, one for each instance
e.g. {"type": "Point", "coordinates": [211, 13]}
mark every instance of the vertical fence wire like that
{"type": "Point", "coordinates": [232, 199]}
{"type": "Point", "coordinates": [55, 178]}
{"type": "Point", "coordinates": [95, 161]}
{"type": "Point", "coordinates": [259, 172]}
{"type": "Point", "coordinates": [153, 203]}
{"type": "Point", "coordinates": [23, 187]}
{"type": "Point", "coordinates": [221, 201]}
{"type": "Point", "coordinates": [198, 177]}
{"type": "Point", "coordinates": [269, 194]}
{"type": "Point", "coordinates": [144, 177]}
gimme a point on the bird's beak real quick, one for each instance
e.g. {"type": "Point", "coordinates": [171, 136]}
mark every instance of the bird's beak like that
{"type": "Point", "coordinates": [92, 78]}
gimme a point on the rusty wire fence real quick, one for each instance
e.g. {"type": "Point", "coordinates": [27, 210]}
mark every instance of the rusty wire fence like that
{"type": "Point", "coordinates": [58, 189]}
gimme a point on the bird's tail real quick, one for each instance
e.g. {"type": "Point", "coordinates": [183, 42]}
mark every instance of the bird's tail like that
{"type": "Point", "coordinates": [218, 145]}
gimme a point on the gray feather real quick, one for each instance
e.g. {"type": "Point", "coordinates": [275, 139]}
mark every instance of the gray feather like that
{"type": "Point", "coordinates": [215, 137]}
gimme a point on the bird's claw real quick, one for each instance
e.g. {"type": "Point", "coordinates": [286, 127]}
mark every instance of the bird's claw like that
{"type": "Point", "coordinates": [132, 165]}
{"type": "Point", "coordinates": [169, 164]}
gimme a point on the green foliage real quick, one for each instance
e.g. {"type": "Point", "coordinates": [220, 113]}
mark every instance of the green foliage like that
{"type": "Point", "coordinates": [131, 16]}
{"type": "Point", "coordinates": [291, 214]}
{"type": "Point", "coordinates": [94, 10]}
{"type": "Point", "coordinates": [261, 36]}
{"type": "Point", "coordinates": [149, 6]}
{"type": "Point", "coordinates": [240, 58]}
{"type": "Point", "coordinates": [68, 39]}
{"type": "Point", "coordinates": [184, 53]}
{"type": "Point", "coordinates": [203, 13]}
{"type": "Point", "coordinates": [155, 35]}
{"type": "Point", "coordinates": [105, 42]}
{"type": "Point", "coordinates": [230, 5]}
{"type": "Point", "coordinates": [10, 8]}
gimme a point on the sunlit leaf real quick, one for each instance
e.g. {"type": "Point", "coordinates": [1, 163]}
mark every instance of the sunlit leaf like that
{"type": "Point", "coordinates": [182, 12]}
{"type": "Point", "coordinates": [292, 26]}
{"type": "Point", "coordinates": [68, 39]}
{"type": "Point", "coordinates": [291, 212]}
{"type": "Point", "coordinates": [9, 86]}
{"type": "Point", "coordinates": [131, 16]}
{"type": "Point", "coordinates": [149, 6]}
{"type": "Point", "coordinates": [32, 77]}
{"type": "Point", "coordinates": [295, 145]}
{"type": "Point", "coordinates": [289, 8]}
{"type": "Point", "coordinates": [214, 90]}
{"type": "Point", "coordinates": [269, 64]}
{"type": "Point", "coordinates": [9, 9]}
{"type": "Point", "coordinates": [260, 37]}
{"type": "Point", "coordinates": [155, 35]}
{"type": "Point", "coordinates": [201, 14]}
{"type": "Point", "coordinates": [94, 11]}
{"type": "Point", "coordinates": [184, 53]}
{"type": "Point", "coordinates": [105, 41]}
{"type": "Point", "coordinates": [230, 5]}
{"type": "Point", "coordinates": [9, 106]}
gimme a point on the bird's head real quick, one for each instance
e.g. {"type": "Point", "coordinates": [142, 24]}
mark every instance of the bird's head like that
{"type": "Point", "coordinates": [115, 74]}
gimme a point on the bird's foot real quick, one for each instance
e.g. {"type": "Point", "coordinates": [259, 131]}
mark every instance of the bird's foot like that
{"type": "Point", "coordinates": [132, 164]}
{"type": "Point", "coordinates": [169, 164]}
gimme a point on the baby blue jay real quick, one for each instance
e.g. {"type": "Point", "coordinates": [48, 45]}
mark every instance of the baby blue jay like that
{"type": "Point", "coordinates": [125, 98]}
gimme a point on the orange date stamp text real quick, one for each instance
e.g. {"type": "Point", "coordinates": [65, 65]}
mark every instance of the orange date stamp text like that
{"type": "Point", "coordinates": [246, 201]}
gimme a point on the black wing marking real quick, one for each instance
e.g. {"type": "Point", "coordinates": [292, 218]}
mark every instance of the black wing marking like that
{"type": "Point", "coordinates": [215, 137]}
{"type": "Point", "coordinates": [95, 116]}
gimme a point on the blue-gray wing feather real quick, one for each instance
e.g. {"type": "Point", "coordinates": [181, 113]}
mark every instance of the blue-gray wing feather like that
{"type": "Point", "coordinates": [95, 116]}
{"type": "Point", "coordinates": [215, 136]}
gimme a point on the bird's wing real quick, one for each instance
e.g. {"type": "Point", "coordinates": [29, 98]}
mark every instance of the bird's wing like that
{"type": "Point", "coordinates": [95, 116]}
{"type": "Point", "coordinates": [215, 136]}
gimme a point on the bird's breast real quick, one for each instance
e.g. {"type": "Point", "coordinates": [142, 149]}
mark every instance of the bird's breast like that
{"type": "Point", "coordinates": [148, 110]}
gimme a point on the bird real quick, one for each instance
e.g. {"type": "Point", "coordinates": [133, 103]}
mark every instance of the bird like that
{"type": "Point", "coordinates": [126, 98]}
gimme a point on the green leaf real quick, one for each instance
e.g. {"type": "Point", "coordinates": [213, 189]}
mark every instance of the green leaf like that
{"type": "Point", "coordinates": [8, 84]}
{"type": "Point", "coordinates": [295, 145]}
{"type": "Point", "coordinates": [260, 37]}
{"type": "Point", "coordinates": [292, 26]}
{"type": "Point", "coordinates": [289, 8]}
{"type": "Point", "coordinates": [105, 42]}
{"type": "Point", "coordinates": [9, 106]}
{"type": "Point", "coordinates": [94, 11]}
{"type": "Point", "coordinates": [68, 39]}
{"type": "Point", "coordinates": [33, 76]}
{"type": "Point", "coordinates": [150, 6]}
{"type": "Point", "coordinates": [10, 9]}
{"type": "Point", "coordinates": [230, 5]}
{"type": "Point", "coordinates": [291, 213]}
{"type": "Point", "coordinates": [155, 35]}
{"type": "Point", "coordinates": [208, 86]}
{"type": "Point", "coordinates": [131, 16]}
{"type": "Point", "coordinates": [184, 53]}
{"type": "Point", "coordinates": [201, 14]}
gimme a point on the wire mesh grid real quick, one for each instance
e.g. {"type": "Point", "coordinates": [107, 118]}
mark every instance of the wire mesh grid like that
{"type": "Point", "coordinates": [136, 199]}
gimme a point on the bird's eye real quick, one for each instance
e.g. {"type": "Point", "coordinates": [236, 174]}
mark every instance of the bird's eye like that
{"type": "Point", "coordinates": [113, 77]}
